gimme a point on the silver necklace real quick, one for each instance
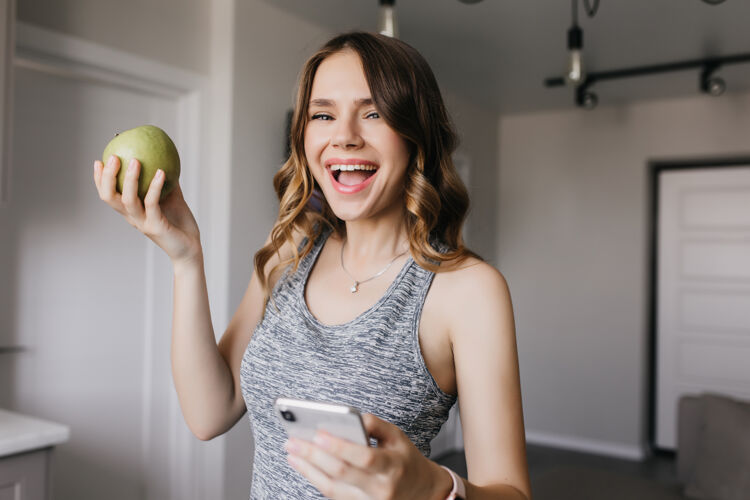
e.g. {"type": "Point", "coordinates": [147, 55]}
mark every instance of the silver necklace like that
{"type": "Point", "coordinates": [355, 287]}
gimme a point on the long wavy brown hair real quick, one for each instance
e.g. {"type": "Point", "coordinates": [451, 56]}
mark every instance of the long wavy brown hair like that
{"type": "Point", "coordinates": [407, 97]}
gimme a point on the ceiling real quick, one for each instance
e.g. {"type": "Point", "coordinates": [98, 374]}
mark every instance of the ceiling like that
{"type": "Point", "coordinates": [498, 52]}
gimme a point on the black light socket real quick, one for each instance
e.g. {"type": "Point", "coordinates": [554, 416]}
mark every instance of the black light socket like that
{"type": "Point", "coordinates": [575, 37]}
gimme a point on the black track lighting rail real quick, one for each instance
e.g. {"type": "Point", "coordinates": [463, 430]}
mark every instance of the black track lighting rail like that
{"type": "Point", "coordinates": [708, 66]}
{"type": "Point", "coordinates": [714, 62]}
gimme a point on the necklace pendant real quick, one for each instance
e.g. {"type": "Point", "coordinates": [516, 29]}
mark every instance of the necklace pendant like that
{"type": "Point", "coordinates": [353, 289]}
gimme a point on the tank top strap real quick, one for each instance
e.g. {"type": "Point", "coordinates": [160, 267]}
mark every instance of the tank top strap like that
{"type": "Point", "coordinates": [306, 263]}
{"type": "Point", "coordinates": [415, 284]}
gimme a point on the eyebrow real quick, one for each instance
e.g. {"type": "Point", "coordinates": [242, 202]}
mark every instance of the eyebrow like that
{"type": "Point", "coordinates": [363, 101]}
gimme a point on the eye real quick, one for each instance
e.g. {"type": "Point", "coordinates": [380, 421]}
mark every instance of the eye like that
{"type": "Point", "coordinates": [321, 116]}
{"type": "Point", "coordinates": [373, 114]}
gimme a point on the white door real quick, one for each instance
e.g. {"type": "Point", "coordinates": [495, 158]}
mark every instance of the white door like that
{"type": "Point", "coordinates": [703, 289]}
{"type": "Point", "coordinates": [89, 297]}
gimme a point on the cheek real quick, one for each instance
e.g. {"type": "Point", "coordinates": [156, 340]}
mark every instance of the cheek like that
{"type": "Point", "coordinates": [314, 145]}
{"type": "Point", "coordinates": [401, 153]}
{"type": "Point", "coordinates": [308, 149]}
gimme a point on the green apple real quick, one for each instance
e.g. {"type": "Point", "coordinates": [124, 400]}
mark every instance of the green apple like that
{"type": "Point", "coordinates": [153, 148]}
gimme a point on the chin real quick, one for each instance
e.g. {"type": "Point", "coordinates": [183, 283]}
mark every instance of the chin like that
{"type": "Point", "coordinates": [347, 215]}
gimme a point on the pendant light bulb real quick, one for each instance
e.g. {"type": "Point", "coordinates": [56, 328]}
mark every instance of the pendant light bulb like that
{"type": "Point", "coordinates": [387, 19]}
{"type": "Point", "coordinates": [575, 74]}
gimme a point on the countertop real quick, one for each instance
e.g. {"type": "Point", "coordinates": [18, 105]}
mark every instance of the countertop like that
{"type": "Point", "coordinates": [20, 433]}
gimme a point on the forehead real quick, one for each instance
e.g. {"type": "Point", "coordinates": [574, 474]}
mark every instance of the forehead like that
{"type": "Point", "coordinates": [340, 76]}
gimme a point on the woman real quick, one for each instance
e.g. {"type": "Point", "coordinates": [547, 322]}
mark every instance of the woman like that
{"type": "Point", "coordinates": [364, 296]}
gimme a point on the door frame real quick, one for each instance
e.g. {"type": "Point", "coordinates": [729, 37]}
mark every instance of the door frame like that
{"type": "Point", "coordinates": [7, 48]}
{"type": "Point", "coordinates": [655, 168]}
{"type": "Point", "coordinates": [196, 469]}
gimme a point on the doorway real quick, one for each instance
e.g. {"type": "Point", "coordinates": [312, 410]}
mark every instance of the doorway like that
{"type": "Point", "coordinates": [700, 286]}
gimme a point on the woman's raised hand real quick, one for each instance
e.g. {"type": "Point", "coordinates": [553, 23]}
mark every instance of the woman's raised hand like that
{"type": "Point", "coordinates": [170, 224]}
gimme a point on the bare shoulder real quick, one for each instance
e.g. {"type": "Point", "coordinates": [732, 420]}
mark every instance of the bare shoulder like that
{"type": "Point", "coordinates": [472, 299]}
{"type": "Point", "coordinates": [470, 281]}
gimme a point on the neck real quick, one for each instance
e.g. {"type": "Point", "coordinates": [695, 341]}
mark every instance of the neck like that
{"type": "Point", "coordinates": [371, 242]}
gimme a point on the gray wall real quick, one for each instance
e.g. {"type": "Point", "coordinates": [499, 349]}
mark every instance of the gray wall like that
{"type": "Point", "coordinates": [572, 242]}
{"type": "Point", "coordinates": [175, 32]}
{"type": "Point", "coordinates": [477, 127]}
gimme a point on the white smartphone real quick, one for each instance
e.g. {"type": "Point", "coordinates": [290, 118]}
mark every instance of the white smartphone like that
{"type": "Point", "coordinates": [302, 419]}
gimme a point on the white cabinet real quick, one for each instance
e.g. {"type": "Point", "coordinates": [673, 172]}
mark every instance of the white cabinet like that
{"type": "Point", "coordinates": [26, 450]}
{"type": "Point", "coordinates": [25, 476]}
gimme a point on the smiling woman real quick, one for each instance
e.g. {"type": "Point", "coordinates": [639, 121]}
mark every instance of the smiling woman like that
{"type": "Point", "coordinates": [395, 89]}
{"type": "Point", "coordinates": [371, 133]}
{"type": "Point", "coordinates": [367, 298]}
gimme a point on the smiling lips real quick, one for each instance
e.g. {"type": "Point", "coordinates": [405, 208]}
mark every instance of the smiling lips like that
{"type": "Point", "coordinates": [350, 176]}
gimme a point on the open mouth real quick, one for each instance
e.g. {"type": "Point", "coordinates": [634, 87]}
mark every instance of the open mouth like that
{"type": "Point", "coordinates": [352, 175]}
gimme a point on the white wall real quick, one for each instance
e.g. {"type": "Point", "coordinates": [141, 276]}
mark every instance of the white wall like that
{"type": "Point", "coordinates": [573, 244]}
{"type": "Point", "coordinates": [175, 32]}
{"type": "Point", "coordinates": [178, 33]}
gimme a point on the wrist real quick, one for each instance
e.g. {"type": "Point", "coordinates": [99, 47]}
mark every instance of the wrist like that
{"type": "Point", "coordinates": [442, 483]}
{"type": "Point", "coordinates": [189, 263]}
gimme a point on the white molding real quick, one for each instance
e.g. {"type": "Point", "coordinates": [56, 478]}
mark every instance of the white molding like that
{"type": "Point", "coordinates": [217, 188]}
{"type": "Point", "coordinates": [196, 471]}
{"type": "Point", "coordinates": [587, 445]}
{"type": "Point", "coordinates": [87, 59]}
{"type": "Point", "coordinates": [7, 47]}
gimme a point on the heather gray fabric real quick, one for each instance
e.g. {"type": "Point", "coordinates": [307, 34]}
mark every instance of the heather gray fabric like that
{"type": "Point", "coordinates": [373, 363]}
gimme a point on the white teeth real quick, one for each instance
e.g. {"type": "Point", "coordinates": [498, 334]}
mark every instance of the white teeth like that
{"type": "Point", "coordinates": [353, 167]}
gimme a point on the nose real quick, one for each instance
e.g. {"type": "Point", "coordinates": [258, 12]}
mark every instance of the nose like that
{"type": "Point", "coordinates": [346, 134]}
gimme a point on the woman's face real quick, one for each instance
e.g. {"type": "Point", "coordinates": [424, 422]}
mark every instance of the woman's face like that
{"type": "Point", "coordinates": [358, 161]}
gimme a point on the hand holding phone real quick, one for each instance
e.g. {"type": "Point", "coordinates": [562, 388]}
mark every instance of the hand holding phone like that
{"type": "Point", "coordinates": [303, 418]}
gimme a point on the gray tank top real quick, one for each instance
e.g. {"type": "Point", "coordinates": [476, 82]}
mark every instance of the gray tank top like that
{"type": "Point", "coordinates": [373, 363]}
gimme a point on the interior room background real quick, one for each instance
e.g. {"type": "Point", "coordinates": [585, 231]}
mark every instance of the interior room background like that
{"type": "Point", "coordinates": [560, 204]}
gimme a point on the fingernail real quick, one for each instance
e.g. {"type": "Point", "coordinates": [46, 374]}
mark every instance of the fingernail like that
{"type": "Point", "coordinates": [132, 162]}
{"type": "Point", "coordinates": [322, 440]}
{"type": "Point", "coordinates": [291, 446]}
{"type": "Point", "coordinates": [111, 160]}
{"type": "Point", "coordinates": [160, 173]}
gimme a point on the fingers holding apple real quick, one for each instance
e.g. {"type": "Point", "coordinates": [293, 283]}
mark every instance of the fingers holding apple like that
{"type": "Point", "coordinates": [105, 180]}
{"type": "Point", "coordinates": [130, 199]}
{"type": "Point", "coordinates": [153, 149]}
{"type": "Point", "coordinates": [144, 167]}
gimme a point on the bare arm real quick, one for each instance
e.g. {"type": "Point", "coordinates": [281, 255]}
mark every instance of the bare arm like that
{"type": "Point", "coordinates": [482, 343]}
{"type": "Point", "coordinates": [202, 377]}
{"type": "Point", "coordinates": [487, 373]}
{"type": "Point", "coordinates": [207, 375]}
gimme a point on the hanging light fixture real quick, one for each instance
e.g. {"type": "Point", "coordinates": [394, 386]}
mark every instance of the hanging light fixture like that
{"type": "Point", "coordinates": [710, 84]}
{"type": "Point", "coordinates": [575, 74]}
{"type": "Point", "coordinates": [387, 19]}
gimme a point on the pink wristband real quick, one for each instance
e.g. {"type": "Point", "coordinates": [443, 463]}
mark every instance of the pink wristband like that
{"type": "Point", "coordinates": [459, 490]}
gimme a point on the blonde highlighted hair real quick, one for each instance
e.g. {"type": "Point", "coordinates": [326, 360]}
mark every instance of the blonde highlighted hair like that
{"type": "Point", "coordinates": [407, 97]}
